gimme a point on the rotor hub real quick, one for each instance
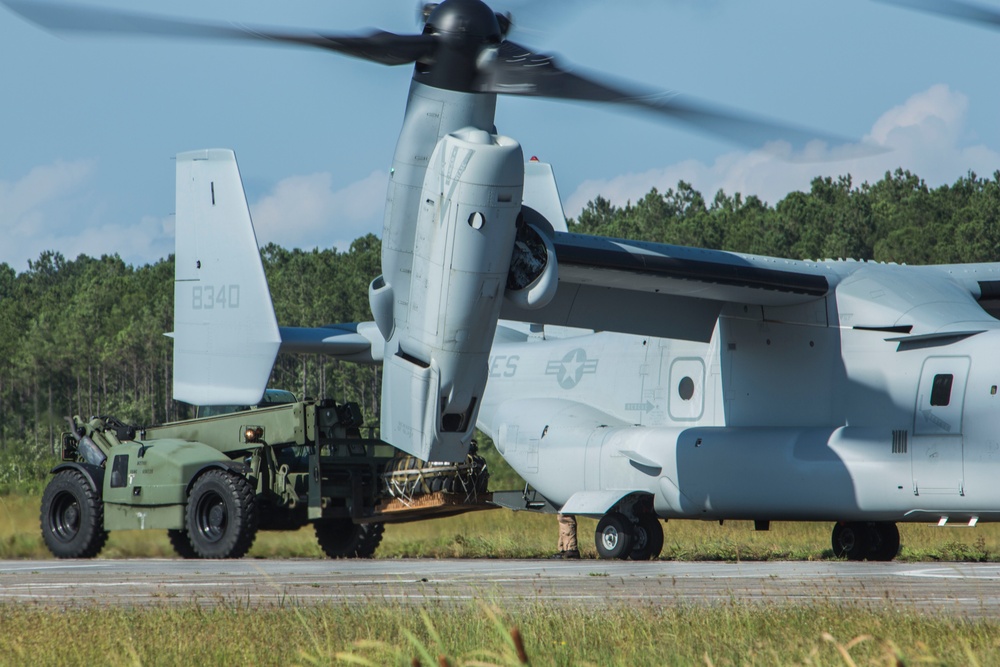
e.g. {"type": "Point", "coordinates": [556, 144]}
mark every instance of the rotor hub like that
{"type": "Point", "coordinates": [467, 22]}
{"type": "Point", "coordinates": [464, 30]}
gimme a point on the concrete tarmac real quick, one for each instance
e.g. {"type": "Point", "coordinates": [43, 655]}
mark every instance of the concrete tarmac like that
{"type": "Point", "coordinates": [964, 589]}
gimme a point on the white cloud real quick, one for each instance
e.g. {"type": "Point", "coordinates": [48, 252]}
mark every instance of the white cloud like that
{"type": "Point", "coordinates": [924, 135]}
{"type": "Point", "coordinates": [935, 115]}
{"type": "Point", "coordinates": [36, 202]}
{"type": "Point", "coordinates": [53, 208]}
{"type": "Point", "coordinates": [56, 207]}
{"type": "Point", "coordinates": [306, 211]}
{"type": "Point", "coordinates": [147, 241]}
{"type": "Point", "coordinates": [34, 209]}
{"type": "Point", "coordinates": [40, 187]}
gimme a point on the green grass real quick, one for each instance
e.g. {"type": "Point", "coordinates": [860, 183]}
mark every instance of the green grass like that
{"type": "Point", "coordinates": [478, 633]}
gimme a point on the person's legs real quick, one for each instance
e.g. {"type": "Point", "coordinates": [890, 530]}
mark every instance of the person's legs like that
{"type": "Point", "coordinates": [568, 547]}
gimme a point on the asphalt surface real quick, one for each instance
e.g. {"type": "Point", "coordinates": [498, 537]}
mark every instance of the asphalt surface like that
{"type": "Point", "coordinates": [964, 589]}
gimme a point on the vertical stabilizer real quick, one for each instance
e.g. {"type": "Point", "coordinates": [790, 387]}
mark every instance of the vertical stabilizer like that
{"type": "Point", "coordinates": [542, 194]}
{"type": "Point", "coordinates": [225, 333]}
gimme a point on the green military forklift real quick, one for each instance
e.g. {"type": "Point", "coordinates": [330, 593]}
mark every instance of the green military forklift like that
{"type": "Point", "coordinates": [212, 482]}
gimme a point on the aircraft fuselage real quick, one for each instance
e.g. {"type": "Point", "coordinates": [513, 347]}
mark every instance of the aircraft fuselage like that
{"type": "Point", "coordinates": [767, 421]}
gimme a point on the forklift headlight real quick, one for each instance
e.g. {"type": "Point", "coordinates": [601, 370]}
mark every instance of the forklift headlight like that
{"type": "Point", "coordinates": [253, 434]}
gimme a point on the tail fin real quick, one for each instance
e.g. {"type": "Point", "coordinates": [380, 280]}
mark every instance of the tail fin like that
{"type": "Point", "coordinates": [541, 195]}
{"type": "Point", "coordinates": [226, 336]}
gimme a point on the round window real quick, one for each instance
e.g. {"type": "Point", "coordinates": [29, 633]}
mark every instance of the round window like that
{"type": "Point", "coordinates": [686, 388]}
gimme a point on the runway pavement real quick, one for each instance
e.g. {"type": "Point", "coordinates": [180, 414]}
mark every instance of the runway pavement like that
{"type": "Point", "coordinates": [963, 589]}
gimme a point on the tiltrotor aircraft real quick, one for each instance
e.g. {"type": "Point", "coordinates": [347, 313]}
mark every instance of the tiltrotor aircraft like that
{"type": "Point", "coordinates": [623, 380]}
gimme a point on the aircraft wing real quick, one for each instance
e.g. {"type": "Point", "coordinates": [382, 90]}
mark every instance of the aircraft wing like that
{"type": "Point", "coordinates": [665, 290]}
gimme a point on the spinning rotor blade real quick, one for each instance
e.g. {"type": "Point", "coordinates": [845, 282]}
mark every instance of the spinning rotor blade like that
{"type": "Point", "coordinates": [519, 71]}
{"type": "Point", "coordinates": [382, 47]}
{"type": "Point", "coordinates": [957, 9]}
{"type": "Point", "coordinates": [456, 50]}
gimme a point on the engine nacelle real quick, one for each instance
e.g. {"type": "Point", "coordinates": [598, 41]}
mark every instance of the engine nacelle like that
{"type": "Point", "coordinates": [533, 276]}
{"type": "Point", "coordinates": [436, 360]}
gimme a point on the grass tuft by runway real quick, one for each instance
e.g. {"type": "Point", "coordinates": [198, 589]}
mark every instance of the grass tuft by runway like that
{"type": "Point", "coordinates": [487, 632]}
{"type": "Point", "coordinates": [482, 633]}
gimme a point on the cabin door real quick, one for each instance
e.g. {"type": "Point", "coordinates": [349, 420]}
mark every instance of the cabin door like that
{"type": "Point", "coordinates": [937, 450]}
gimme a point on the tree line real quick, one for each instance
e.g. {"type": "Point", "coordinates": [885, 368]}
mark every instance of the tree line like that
{"type": "Point", "coordinates": [897, 219]}
{"type": "Point", "coordinates": [86, 336]}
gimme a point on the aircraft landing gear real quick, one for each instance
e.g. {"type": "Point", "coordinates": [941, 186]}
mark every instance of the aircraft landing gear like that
{"type": "Point", "coordinates": [872, 540]}
{"type": "Point", "coordinates": [622, 538]}
{"type": "Point", "coordinates": [648, 538]}
{"type": "Point", "coordinates": [613, 537]}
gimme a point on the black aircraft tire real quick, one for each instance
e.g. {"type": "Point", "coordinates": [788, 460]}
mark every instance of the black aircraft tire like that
{"type": "Point", "coordinates": [221, 515]}
{"type": "Point", "coordinates": [72, 517]}
{"type": "Point", "coordinates": [852, 540]}
{"type": "Point", "coordinates": [613, 537]}
{"type": "Point", "coordinates": [648, 542]}
{"type": "Point", "coordinates": [858, 540]}
{"type": "Point", "coordinates": [181, 543]}
{"type": "Point", "coordinates": [887, 541]}
{"type": "Point", "coordinates": [342, 538]}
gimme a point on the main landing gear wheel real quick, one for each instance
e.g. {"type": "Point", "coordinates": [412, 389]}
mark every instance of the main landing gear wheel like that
{"type": "Point", "coordinates": [648, 538]}
{"type": "Point", "coordinates": [72, 517]}
{"type": "Point", "coordinates": [342, 538]}
{"type": "Point", "coordinates": [614, 536]}
{"type": "Point", "coordinates": [888, 541]}
{"type": "Point", "coordinates": [858, 540]}
{"type": "Point", "coordinates": [221, 515]}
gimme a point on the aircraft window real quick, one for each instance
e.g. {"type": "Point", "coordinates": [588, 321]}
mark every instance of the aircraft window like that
{"type": "Point", "coordinates": [941, 390]}
{"type": "Point", "coordinates": [686, 388]}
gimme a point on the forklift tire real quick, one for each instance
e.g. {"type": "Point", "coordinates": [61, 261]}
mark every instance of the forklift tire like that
{"type": "Point", "coordinates": [342, 538]}
{"type": "Point", "coordinates": [72, 517]}
{"type": "Point", "coordinates": [221, 515]}
{"type": "Point", "coordinates": [181, 543]}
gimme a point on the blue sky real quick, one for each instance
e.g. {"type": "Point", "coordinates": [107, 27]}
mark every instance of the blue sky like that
{"type": "Point", "coordinates": [89, 126]}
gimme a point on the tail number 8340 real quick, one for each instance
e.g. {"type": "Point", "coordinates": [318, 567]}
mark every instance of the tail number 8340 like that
{"type": "Point", "coordinates": [208, 297]}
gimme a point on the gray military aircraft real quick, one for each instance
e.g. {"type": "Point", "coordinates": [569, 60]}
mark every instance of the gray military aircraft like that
{"type": "Point", "coordinates": [623, 380]}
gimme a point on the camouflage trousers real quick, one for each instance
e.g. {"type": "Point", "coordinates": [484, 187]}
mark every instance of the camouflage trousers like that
{"type": "Point", "coordinates": [567, 532]}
